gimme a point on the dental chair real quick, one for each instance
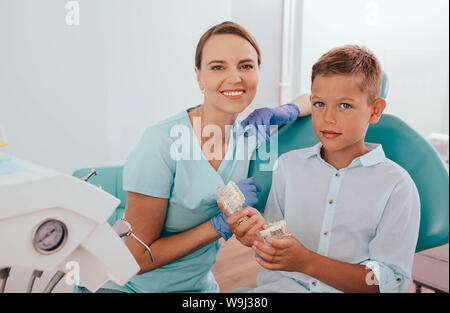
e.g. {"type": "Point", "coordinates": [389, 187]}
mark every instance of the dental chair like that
{"type": "Point", "coordinates": [109, 178]}
{"type": "Point", "coordinates": [401, 144]}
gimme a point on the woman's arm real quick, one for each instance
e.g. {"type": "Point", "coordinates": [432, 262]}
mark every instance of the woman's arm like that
{"type": "Point", "coordinates": [265, 121]}
{"type": "Point", "coordinates": [147, 214]}
{"type": "Point", "coordinates": [303, 103]}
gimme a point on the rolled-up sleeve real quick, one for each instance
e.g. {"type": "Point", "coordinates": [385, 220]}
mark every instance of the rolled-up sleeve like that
{"type": "Point", "coordinates": [391, 251]}
{"type": "Point", "coordinates": [390, 279]}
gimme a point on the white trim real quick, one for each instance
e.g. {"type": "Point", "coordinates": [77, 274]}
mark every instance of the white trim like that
{"type": "Point", "coordinates": [287, 50]}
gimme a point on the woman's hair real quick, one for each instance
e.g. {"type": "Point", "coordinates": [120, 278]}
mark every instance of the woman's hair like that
{"type": "Point", "coordinates": [353, 60]}
{"type": "Point", "coordinates": [220, 29]}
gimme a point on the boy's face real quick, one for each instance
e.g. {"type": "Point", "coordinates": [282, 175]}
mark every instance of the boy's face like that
{"type": "Point", "coordinates": [341, 113]}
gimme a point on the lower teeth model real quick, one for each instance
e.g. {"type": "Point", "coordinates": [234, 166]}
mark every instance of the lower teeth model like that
{"type": "Point", "coordinates": [276, 230]}
{"type": "Point", "coordinates": [231, 197]}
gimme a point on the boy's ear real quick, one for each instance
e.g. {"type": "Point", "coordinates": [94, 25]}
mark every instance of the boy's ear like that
{"type": "Point", "coordinates": [378, 106]}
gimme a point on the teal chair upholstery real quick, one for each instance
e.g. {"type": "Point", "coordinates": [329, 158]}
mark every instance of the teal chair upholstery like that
{"type": "Point", "coordinates": [110, 179]}
{"type": "Point", "coordinates": [401, 144]}
{"type": "Point", "coordinates": [384, 86]}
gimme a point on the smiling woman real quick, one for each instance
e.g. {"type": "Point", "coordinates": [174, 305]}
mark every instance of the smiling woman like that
{"type": "Point", "coordinates": [171, 202]}
{"type": "Point", "coordinates": [227, 63]}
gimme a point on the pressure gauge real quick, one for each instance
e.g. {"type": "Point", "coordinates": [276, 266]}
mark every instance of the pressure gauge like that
{"type": "Point", "coordinates": [50, 236]}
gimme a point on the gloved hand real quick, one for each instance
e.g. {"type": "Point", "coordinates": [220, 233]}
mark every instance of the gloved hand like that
{"type": "Point", "coordinates": [219, 222]}
{"type": "Point", "coordinates": [266, 117]}
{"type": "Point", "coordinates": [249, 188]}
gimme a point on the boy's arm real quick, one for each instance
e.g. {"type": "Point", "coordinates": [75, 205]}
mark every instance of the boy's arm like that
{"type": "Point", "coordinates": [289, 254]}
{"type": "Point", "coordinates": [391, 250]}
{"type": "Point", "coordinates": [344, 276]}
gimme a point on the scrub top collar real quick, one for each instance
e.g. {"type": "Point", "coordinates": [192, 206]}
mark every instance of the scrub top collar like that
{"type": "Point", "coordinates": [230, 146]}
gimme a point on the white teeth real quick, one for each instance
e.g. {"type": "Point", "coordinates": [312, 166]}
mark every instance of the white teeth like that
{"type": "Point", "coordinates": [231, 196]}
{"type": "Point", "coordinates": [233, 93]}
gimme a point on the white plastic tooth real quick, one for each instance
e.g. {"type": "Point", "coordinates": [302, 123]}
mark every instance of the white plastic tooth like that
{"type": "Point", "coordinates": [231, 197]}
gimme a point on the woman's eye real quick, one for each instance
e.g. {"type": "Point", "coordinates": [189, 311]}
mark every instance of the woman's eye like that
{"type": "Point", "coordinates": [319, 104]}
{"type": "Point", "coordinates": [346, 106]}
{"type": "Point", "coordinates": [247, 66]}
{"type": "Point", "coordinates": [217, 67]}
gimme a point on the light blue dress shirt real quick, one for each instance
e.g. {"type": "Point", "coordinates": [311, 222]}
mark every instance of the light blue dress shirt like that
{"type": "Point", "coordinates": [168, 163]}
{"type": "Point", "coordinates": [367, 213]}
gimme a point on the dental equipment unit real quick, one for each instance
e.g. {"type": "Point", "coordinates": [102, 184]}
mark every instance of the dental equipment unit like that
{"type": "Point", "coordinates": [49, 219]}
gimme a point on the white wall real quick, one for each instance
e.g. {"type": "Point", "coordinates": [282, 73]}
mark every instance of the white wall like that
{"type": "Point", "coordinates": [409, 37]}
{"type": "Point", "coordinates": [263, 18]}
{"type": "Point", "coordinates": [81, 96]}
{"type": "Point", "coordinates": [52, 83]}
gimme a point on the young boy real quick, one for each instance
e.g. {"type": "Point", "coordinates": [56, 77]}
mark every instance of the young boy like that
{"type": "Point", "coordinates": [353, 213]}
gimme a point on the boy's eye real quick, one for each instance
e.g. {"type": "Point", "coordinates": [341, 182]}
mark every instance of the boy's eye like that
{"type": "Point", "coordinates": [319, 104]}
{"type": "Point", "coordinates": [217, 67]}
{"type": "Point", "coordinates": [346, 106]}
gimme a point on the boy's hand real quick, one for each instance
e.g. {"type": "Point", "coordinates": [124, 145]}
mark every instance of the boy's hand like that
{"type": "Point", "coordinates": [286, 254]}
{"type": "Point", "coordinates": [244, 230]}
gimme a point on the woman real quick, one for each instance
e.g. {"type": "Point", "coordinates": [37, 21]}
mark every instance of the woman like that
{"type": "Point", "coordinates": [171, 201]}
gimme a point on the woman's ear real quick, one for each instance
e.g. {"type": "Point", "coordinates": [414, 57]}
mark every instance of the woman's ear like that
{"type": "Point", "coordinates": [378, 106]}
{"type": "Point", "coordinates": [197, 73]}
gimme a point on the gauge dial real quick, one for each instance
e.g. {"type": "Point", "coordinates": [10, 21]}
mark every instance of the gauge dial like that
{"type": "Point", "coordinates": [49, 236]}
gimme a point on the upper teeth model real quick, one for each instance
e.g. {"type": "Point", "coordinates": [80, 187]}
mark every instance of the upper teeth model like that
{"type": "Point", "coordinates": [231, 197]}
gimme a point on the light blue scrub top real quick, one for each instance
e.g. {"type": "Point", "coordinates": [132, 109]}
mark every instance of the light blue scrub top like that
{"type": "Point", "coordinates": [190, 183]}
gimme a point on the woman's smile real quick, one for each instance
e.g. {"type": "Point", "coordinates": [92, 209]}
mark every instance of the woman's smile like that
{"type": "Point", "coordinates": [233, 94]}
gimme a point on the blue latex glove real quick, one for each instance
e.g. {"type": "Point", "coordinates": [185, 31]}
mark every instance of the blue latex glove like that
{"type": "Point", "coordinates": [267, 117]}
{"type": "Point", "coordinates": [249, 188]}
{"type": "Point", "coordinates": [219, 222]}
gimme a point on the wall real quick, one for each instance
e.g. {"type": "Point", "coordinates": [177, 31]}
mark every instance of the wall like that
{"type": "Point", "coordinates": [81, 96]}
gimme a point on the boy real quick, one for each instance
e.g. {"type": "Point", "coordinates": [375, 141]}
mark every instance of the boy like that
{"type": "Point", "coordinates": [353, 213]}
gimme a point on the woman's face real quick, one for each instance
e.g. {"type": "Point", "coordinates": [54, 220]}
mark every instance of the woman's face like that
{"type": "Point", "coordinates": [229, 73]}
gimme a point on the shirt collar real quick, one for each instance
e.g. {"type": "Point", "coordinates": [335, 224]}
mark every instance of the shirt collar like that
{"type": "Point", "coordinates": [373, 157]}
{"type": "Point", "coordinates": [313, 151]}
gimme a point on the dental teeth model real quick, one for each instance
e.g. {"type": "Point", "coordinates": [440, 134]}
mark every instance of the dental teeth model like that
{"type": "Point", "coordinates": [276, 230]}
{"type": "Point", "coordinates": [231, 197]}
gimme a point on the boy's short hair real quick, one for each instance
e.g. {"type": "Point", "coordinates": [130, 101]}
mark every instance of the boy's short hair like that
{"type": "Point", "coordinates": [354, 60]}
